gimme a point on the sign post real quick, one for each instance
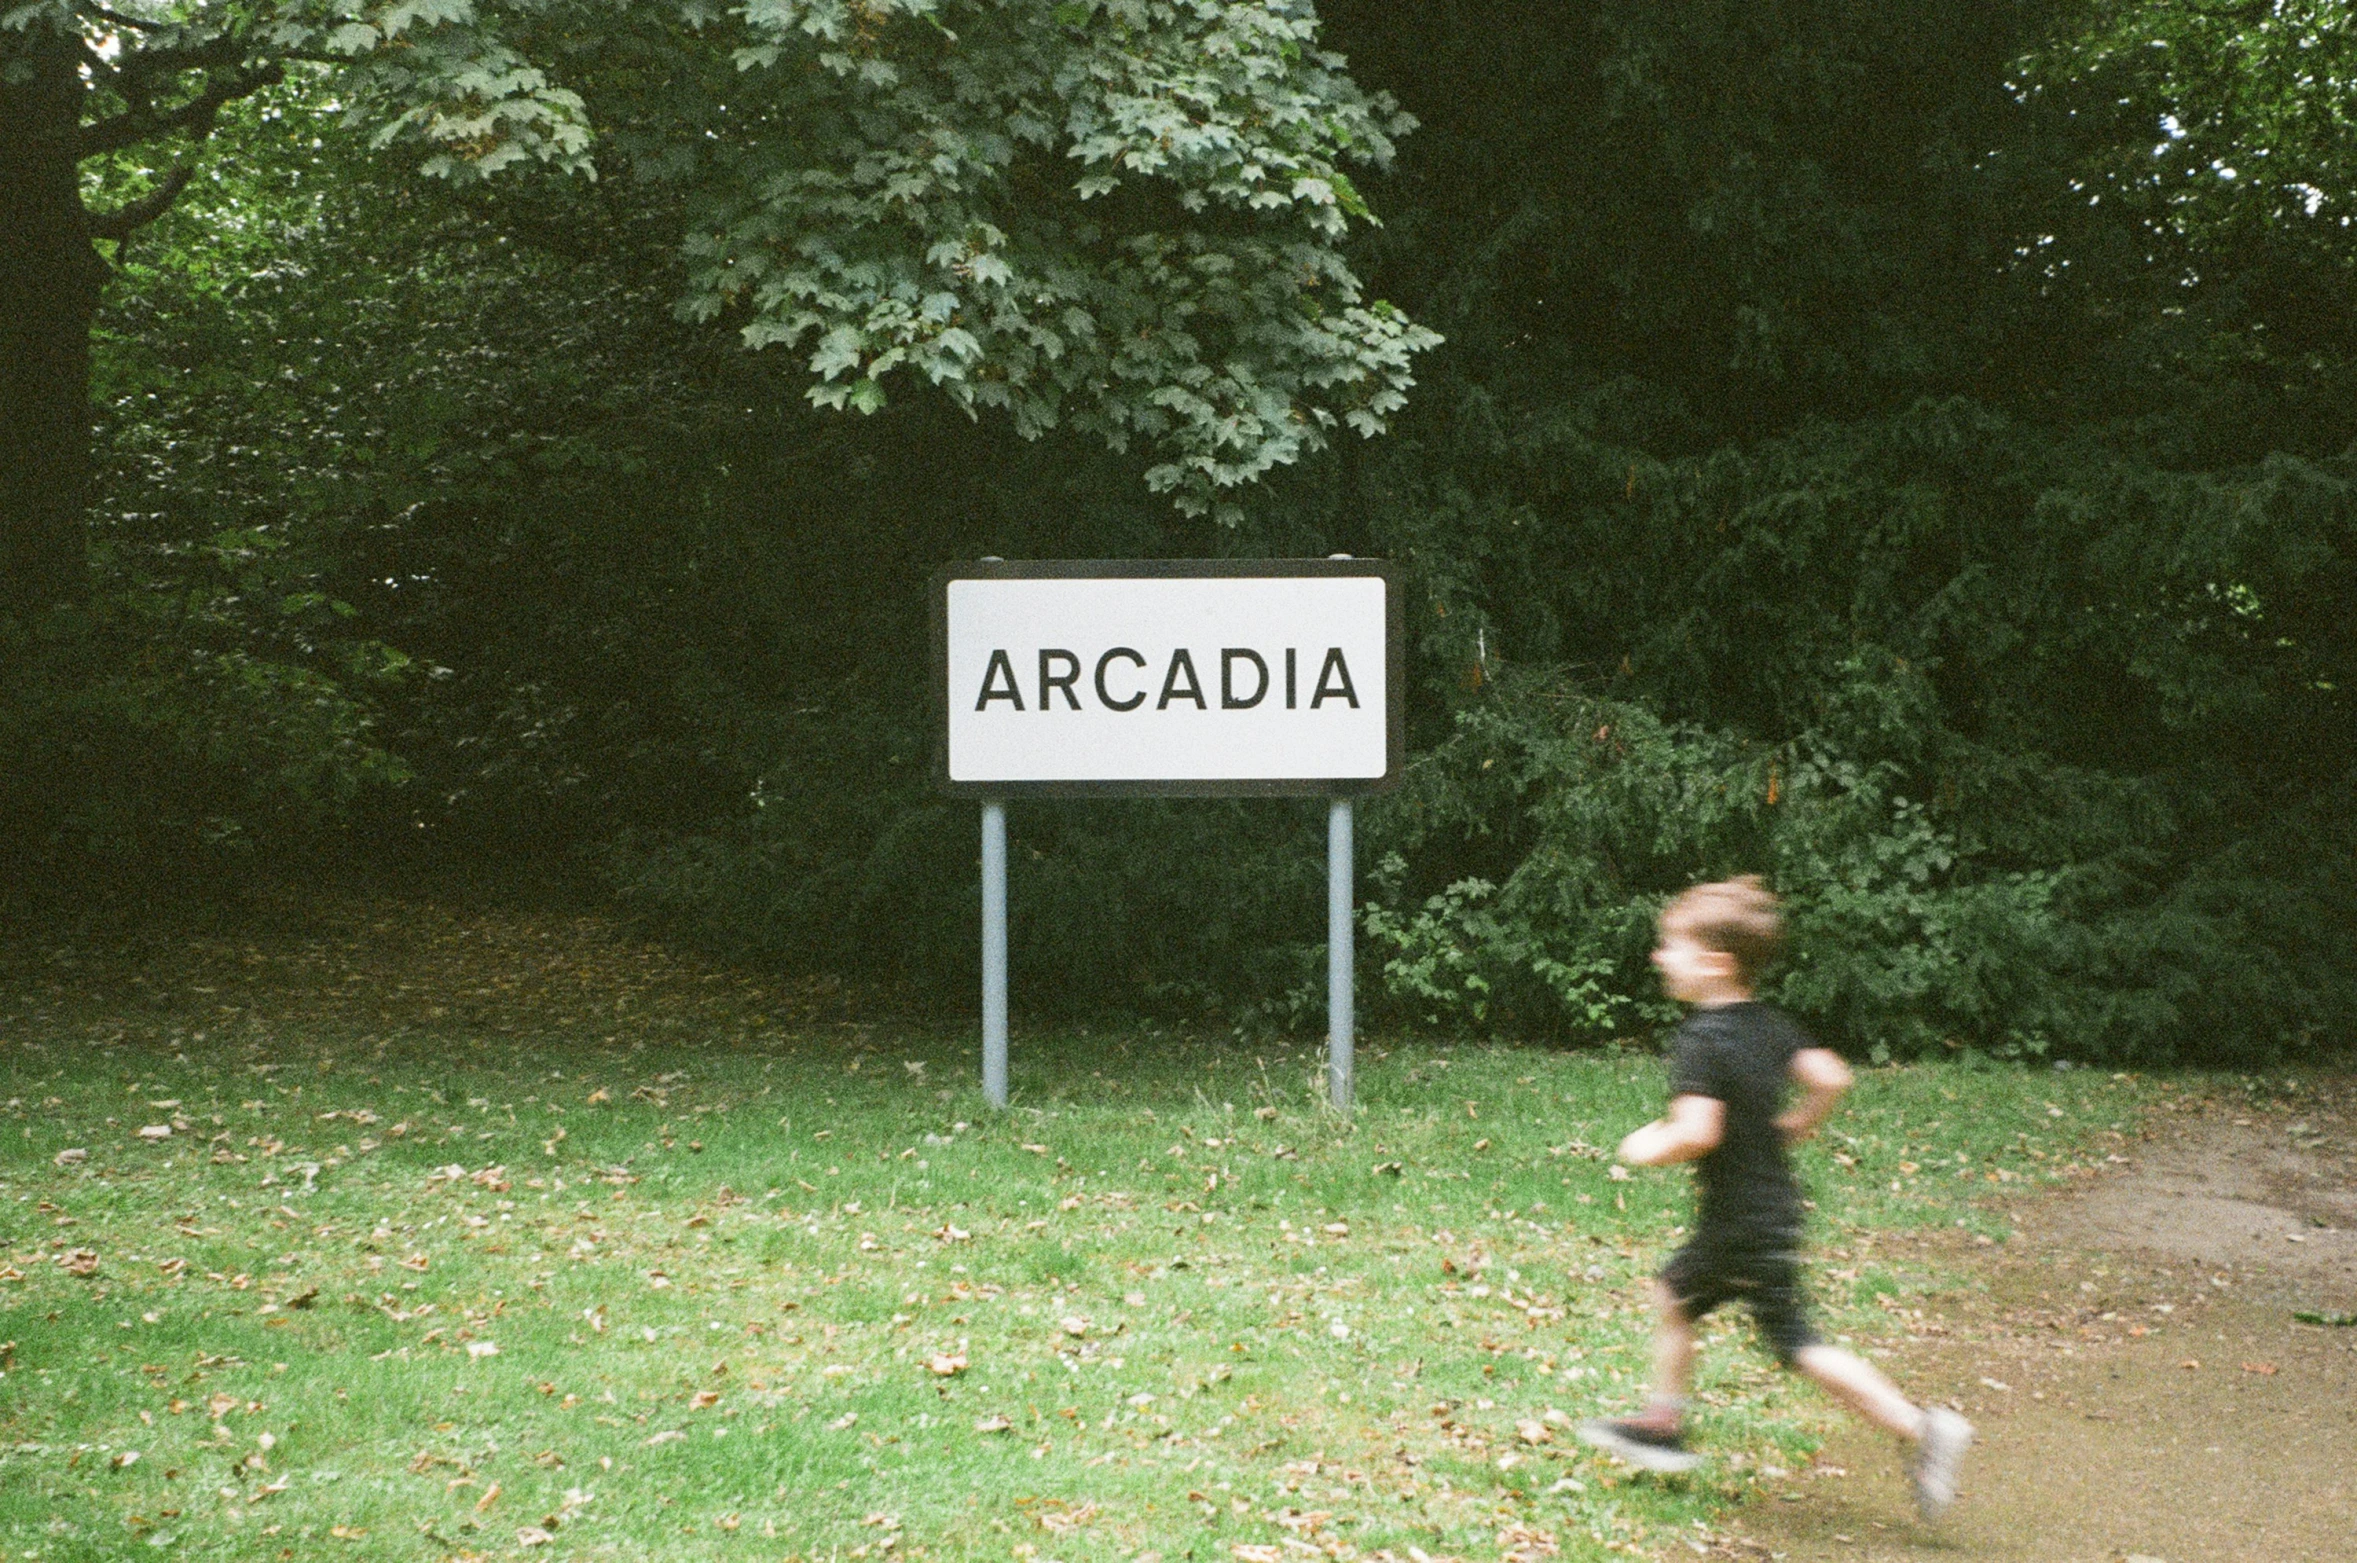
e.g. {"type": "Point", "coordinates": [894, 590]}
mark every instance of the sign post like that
{"type": "Point", "coordinates": [1168, 678]}
{"type": "Point", "coordinates": [994, 953]}
{"type": "Point", "coordinates": [1341, 1045]}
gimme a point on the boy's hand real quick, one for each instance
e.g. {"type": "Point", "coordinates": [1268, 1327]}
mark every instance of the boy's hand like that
{"type": "Point", "coordinates": [1692, 1128]}
{"type": "Point", "coordinates": [1822, 1077]}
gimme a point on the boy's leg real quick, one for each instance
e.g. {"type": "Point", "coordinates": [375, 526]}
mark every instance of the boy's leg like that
{"type": "Point", "coordinates": [1940, 1436]}
{"type": "Point", "coordinates": [1856, 1383]}
{"type": "Point", "coordinates": [1673, 1359]}
{"type": "Point", "coordinates": [1652, 1439]}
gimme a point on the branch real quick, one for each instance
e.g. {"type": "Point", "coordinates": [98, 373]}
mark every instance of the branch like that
{"type": "Point", "coordinates": [118, 19]}
{"type": "Point", "coordinates": [197, 114]}
{"type": "Point", "coordinates": [120, 223]}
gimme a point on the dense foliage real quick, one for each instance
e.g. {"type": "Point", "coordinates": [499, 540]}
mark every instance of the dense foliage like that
{"type": "Point", "coordinates": [1907, 452]}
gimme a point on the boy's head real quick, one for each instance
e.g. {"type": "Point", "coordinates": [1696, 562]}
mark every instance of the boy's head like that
{"type": "Point", "coordinates": [1716, 939]}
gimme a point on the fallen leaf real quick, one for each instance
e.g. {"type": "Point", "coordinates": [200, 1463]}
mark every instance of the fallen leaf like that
{"type": "Point", "coordinates": [947, 1363]}
{"type": "Point", "coordinates": [482, 1348]}
{"type": "Point", "coordinates": [950, 1234]}
{"type": "Point", "coordinates": [1256, 1552]}
{"type": "Point", "coordinates": [156, 1132]}
{"type": "Point", "coordinates": [1619, 1173]}
{"type": "Point", "coordinates": [1074, 1324]}
{"type": "Point", "coordinates": [669, 1436]}
{"type": "Point", "coordinates": [80, 1261]}
{"type": "Point", "coordinates": [844, 1423]}
{"type": "Point", "coordinates": [2190, 1362]}
{"type": "Point", "coordinates": [2263, 1369]}
{"type": "Point", "coordinates": [993, 1423]}
{"type": "Point", "coordinates": [533, 1535]}
{"type": "Point", "coordinates": [1531, 1432]}
{"type": "Point", "coordinates": [706, 1399]}
{"type": "Point", "coordinates": [67, 1158]}
{"type": "Point", "coordinates": [490, 1497]}
{"type": "Point", "coordinates": [1065, 1521]}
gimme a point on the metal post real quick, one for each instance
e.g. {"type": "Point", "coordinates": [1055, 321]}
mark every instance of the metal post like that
{"type": "Point", "coordinates": [1339, 1017]}
{"type": "Point", "coordinates": [994, 953]}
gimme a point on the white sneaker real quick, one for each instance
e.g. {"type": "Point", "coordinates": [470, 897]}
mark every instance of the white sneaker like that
{"type": "Point", "coordinates": [1639, 1445]}
{"type": "Point", "coordinates": [1938, 1457]}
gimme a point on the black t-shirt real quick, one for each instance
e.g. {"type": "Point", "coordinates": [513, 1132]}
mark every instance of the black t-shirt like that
{"type": "Point", "coordinates": [1741, 1054]}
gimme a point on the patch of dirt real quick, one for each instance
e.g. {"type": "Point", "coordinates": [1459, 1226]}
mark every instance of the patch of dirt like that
{"type": "Point", "coordinates": [2143, 1388]}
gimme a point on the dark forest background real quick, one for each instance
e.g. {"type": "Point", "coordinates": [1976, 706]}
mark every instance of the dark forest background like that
{"type": "Point", "coordinates": [1907, 450]}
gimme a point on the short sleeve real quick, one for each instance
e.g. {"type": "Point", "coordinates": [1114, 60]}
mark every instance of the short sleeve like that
{"type": "Point", "coordinates": [1695, 1066]}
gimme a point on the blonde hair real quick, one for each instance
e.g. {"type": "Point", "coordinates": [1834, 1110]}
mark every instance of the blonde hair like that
{"type": "Point", "coordinates": [1737, 917]}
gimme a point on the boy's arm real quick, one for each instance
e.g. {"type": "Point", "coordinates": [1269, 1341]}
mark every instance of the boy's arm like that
{"type": "Point", "coordinates": [1822, 1077]}
{"type": "Point", "coordinates": [1691, 1128]}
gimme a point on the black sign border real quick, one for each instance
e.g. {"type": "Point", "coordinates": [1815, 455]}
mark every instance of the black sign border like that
{"type": "Point", "coordinates": [1394, 682]}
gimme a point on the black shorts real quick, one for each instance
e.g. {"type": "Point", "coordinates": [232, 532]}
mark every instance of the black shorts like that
{"type": "Point", "coordinates": [1705, 1274]}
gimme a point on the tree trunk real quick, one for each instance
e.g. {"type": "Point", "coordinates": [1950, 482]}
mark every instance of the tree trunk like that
{"type": "Point", "coordinates": [50, 277]}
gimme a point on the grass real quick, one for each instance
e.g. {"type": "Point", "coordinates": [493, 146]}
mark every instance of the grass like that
{"type": "Point", "coordinates": [556, 1281]}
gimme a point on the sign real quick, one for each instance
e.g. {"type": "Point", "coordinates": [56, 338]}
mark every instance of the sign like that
{"type": "Point", "coordinates": [1175, 677]}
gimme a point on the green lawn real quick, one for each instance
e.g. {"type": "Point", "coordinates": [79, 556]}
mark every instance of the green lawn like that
{"type": "Point", "coordinates": [487, 1293]}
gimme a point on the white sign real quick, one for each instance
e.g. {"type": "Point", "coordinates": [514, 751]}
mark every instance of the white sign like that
{"type": "Point", "coordinates": [1177, 677]}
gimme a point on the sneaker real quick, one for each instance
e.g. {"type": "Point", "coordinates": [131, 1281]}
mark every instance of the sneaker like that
{"type": "Point", "coordinates": [1937, 1460]}
{"type": "Point", "coordinates": [1639, 1445]}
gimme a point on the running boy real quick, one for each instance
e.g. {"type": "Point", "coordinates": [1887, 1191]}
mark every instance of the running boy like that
{"type": "Point", "coordinates": [1728, 1069]}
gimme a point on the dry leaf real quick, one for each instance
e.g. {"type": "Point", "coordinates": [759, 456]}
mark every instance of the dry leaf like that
{"type": "Point", "coordinates": [1525, 1544]}
{"type": "Point", "coordinates": [994, 1423]}
{"type": "Point", "coordinates": [1074, 1324]}
{"type": "Point", "coordinates": [1064, 1522]}
{"type": "Point", "coordinates": [156, 1132]}
{"type": "Point", "coordinates": [67, 1158]}
{"type": "Point", "coordinates": [532, 1536]}
{"type": "Point", "coordinates": [80, 1261]}
{"type": "Point", "coordinates": [490, 1497]}
{"type": "Point", "coordinates": [947, 1363]}
{"type": "Point", "coordinates": [1256, 1552]}
{"type": "Point", "coordinates": [482, 1348]}
{"type": "Point", "coordinates": [668, 1436]}
{"type": "Point", "coordinates": [2264, 1369]}
{"type": "Point", "coordinates": [706, 1399]}
{"type": "Point", "coordinates": [1531, 1432]}
{"type": "Point", "coordinates": [949, 1234]}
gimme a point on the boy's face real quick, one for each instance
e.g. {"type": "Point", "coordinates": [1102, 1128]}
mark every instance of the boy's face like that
{"type": "Point", "coordinates": [1693, 973]}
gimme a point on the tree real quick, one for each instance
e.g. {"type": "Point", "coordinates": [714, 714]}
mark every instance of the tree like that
{"type": "Point", "coordinates": [1121, 215]}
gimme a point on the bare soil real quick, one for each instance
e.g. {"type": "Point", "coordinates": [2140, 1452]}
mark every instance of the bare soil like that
{"type": "Point", "coordinates": [2143, 1387]}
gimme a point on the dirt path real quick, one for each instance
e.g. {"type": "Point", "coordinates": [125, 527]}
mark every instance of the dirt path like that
{"type": "Point", "coordinates": [2142, 1387]}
